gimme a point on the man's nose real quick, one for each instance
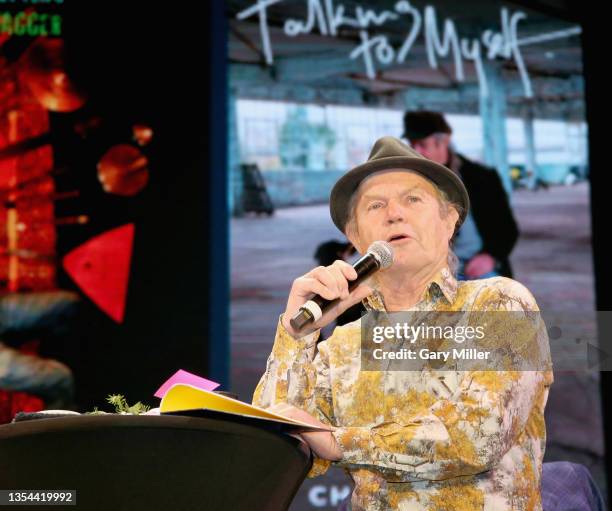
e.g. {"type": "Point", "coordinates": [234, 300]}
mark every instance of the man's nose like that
{"type": "Point", "coordinates": [395, 212]}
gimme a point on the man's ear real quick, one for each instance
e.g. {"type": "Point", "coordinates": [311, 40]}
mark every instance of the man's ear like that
{"type": "Point", "coordinates": [451, 222]}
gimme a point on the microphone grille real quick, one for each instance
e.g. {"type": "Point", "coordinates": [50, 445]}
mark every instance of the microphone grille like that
{"type": "Point", "coordinates": [383, 251]}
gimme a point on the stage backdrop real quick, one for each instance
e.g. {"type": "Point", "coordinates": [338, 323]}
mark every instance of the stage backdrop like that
{"type": "Point", "coordinates": [107, 173]}
{"type": "Point", "coordinates": [310, 92]}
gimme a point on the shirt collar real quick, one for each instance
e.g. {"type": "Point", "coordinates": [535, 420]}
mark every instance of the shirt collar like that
{"type": "Point", "coordinates": [443, 284]}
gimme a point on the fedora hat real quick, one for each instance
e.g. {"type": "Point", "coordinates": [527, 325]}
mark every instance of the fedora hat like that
{"type": "Point", "coordinates": [390, 153]}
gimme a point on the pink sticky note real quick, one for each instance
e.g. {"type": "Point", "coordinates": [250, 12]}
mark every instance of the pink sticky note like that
{"type": "Point", "coordinates": [182, 376]}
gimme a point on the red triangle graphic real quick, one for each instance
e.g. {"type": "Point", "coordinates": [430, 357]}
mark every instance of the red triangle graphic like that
{"type": "Point", "coordinates": [101, 268]}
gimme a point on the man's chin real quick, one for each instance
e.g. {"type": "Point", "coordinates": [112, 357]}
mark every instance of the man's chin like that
{"type": "Point", "coordinates": [401, 266]}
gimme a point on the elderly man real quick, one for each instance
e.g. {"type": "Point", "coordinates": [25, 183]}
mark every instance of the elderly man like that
{"type": "Point", "coordinates": [489, 232]}
{"type": "Point", "coordinates": [418, 440]}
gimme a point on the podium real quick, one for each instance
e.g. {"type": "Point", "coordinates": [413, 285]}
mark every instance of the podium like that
{"type": "Point", "coordinates": [132, 462]}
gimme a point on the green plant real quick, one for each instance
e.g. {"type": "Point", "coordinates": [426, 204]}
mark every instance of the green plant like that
{"type": "Point", "coordinates": [121, 406]}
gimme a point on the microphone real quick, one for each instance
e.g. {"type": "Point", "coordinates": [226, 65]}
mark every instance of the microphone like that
{"type": "Point", "coordinates": [378, 256]}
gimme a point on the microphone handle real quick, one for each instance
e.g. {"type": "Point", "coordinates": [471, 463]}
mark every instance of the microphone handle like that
{"type": "Point", "coordinates": [314, 308]}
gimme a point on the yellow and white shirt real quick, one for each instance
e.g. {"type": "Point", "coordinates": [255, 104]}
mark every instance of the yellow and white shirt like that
{"type": "Point", "coordinates": [422, 440]}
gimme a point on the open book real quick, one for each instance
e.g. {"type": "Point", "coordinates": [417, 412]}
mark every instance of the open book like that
{"type": "Point", "coordinates": [184, 399]}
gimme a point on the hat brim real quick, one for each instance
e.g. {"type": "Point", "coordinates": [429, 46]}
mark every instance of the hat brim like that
{"type": "Point", "coordinates": [441, 176]}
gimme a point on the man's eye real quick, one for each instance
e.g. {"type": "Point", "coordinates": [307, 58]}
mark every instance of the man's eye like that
{"type": "Point", "coordinates": [375, 205]}
{"type": "Point", "coordinates": [413, 198]}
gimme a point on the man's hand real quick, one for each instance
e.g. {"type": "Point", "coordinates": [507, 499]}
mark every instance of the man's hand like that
{"type": "Point", "coordinates": [479, 265]}
{"type": "Point", "coordinates": [329, 282]}
{"type": "Point", "coordinates": [323, 443]}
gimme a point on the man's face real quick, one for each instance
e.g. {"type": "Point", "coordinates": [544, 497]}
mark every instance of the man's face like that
{"type": "Point", "coordinates": [403, 208]}
{"type": "Point", "coordinates": [434, 147]}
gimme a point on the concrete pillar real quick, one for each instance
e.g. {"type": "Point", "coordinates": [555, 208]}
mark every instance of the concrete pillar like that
{"type": "Point", "coordinates": [530, 151]}
{"type": "Point", "coordinates": [233, 160]}
{"type": "Point", "coordinates": [493, 114]}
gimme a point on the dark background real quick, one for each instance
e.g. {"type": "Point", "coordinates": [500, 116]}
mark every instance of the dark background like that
{"type": "Point", "coordinates": [140, 63]}
{"type": "Point", "coordinates": [598, 119]}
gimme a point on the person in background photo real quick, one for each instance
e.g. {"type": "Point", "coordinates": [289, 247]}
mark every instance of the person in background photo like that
{"type": "Point", "coordinates": [489, 233]}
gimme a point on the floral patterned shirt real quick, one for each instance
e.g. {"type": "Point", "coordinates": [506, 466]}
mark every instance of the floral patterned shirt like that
{"type": "Point", "coordinates": [422, 440]}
